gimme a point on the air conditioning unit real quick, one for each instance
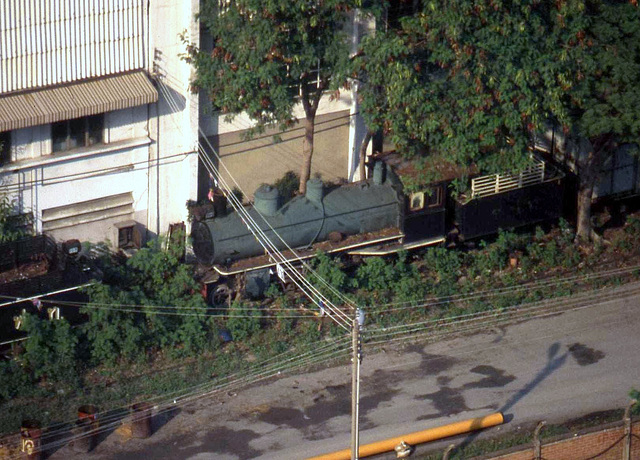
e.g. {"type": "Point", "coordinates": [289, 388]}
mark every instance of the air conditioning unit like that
{"type": "Point", "coordinates": [129, 235]}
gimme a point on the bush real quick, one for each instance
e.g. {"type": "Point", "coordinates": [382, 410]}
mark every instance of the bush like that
{"type": "Point", "coordinates": [330, 270]}
{"type": "Point", "coordinates": [635, 394]}
{"type": "Point", "coordinates": [287, 186]}
{"type": "Point", "coordinates": [14, 380]}
{"type": "Point", "coordinates": [151, 277]}
{"type": "Point", "coordinates": [50, 352]}
{"type": "Point", "coordinates": [445, 265]}
{"type": "Point", "coordinates": [243, 322]}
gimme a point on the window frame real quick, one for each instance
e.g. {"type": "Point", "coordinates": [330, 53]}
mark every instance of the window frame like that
{"type": "Point", "coordinates": [425, 199]}
{"type": "Point", "coordinates": [88, 132]}
{"type": "Point", "coordinates": [5, 147]}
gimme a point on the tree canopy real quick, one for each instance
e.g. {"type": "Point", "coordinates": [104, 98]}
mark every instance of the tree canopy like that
{"type": "Point", "coordinates": [459, 79]}
{"type": "Point", "coordinates": [471, 82]}
{"type": "Point", "coordinates": [268, 56]}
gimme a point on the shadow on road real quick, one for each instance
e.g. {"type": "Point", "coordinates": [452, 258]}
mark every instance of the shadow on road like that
{"type": "Point", "coordinates": [554, 362]}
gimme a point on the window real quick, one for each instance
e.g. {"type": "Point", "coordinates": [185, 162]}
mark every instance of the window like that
{"type": "Point", "coordinates": [77, 133]}
{"type": "Point", "coordinates": [434, 197]}
{"type": "Point", "coordinates": [5, 148]}
{"type": "Point", "coordinates": [128, 235]}
{"type": "Point", "coordinates": [431, 198]}
{"type": "Point", "coordinates": [416, 201]}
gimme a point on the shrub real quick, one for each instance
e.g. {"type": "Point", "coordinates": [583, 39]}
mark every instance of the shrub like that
{"type": "Point", "coordinates": [14, 380]}
{"type": "Point", "coordinates": [243, 322]}
{"type": "Point", "coordinates": [50, 352]}
{"type": "Point", "coordinates": [330, 270]}
{"type": "Point", "coordinates": [635, 394]}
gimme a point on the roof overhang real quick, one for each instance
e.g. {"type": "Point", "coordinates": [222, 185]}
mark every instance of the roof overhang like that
{"type": "Point", "coordinates": [74, 100]}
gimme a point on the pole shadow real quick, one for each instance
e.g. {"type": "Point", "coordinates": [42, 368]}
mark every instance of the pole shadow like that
{"type": "Point", "coordinates": [554, 362]}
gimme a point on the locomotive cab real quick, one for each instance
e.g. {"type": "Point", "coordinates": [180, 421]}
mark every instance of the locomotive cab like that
{"type": "Point", "coordinates": [425, 213]}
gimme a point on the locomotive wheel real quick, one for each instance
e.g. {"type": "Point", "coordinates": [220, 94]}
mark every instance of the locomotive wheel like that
{"type": "Point", "coordinates": [220, 295]}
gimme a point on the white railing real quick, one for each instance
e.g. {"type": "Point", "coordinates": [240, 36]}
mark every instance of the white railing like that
{"type": "Point", "coordinates": [497, 183]}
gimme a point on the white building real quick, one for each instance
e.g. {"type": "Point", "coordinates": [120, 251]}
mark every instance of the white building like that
{"type": "Point", "coordinates": [93, 146]}
{"type": "Point", "coordinates": [100, 131]}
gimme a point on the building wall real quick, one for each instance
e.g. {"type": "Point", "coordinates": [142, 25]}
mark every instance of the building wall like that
{"type": "Point", "coordinates": [148, 152]}
{"type": "Point", "coordinates": [260, 160]}
{"type": "Point", "coordinates": [39, 180]}
{"type": "Point", "coordinates": [48, 42]}
{"type": "Point", "coordinates": [174, 119]}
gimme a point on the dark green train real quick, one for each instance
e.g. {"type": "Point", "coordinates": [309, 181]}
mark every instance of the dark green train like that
{"type": "Point", "coordinates": [375, 216]}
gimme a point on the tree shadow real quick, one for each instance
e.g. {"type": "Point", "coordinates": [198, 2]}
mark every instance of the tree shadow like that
{"type": "Point", "coordinates": [554, 362]}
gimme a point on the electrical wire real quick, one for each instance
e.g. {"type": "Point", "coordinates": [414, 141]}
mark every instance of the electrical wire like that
{"type": "Point", "coordinates": [255, 229]}
{"type": "Point", "coordinates": [171, 100]}
{"type": "Point", "coordinates": [281, 365]}
{"type": "Point", "coordinates": [486, 318]}
{"type": "Point", "coordinates": [181, 398]}
{"type": "Point", "coordinates": [435, 301]}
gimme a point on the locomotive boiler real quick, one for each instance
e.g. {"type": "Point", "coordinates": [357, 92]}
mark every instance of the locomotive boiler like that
{"type": "Point", "coordinates": [337, 212]}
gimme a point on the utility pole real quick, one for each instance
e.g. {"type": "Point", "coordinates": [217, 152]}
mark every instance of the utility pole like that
{"type": "Point", "coordinates": [358, 322]}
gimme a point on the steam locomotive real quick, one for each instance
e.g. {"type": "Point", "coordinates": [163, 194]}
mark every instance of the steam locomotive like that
{"type": "Point", "coordinates": [371, 217]}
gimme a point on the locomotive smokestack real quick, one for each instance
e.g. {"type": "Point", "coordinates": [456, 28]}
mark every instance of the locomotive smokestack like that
{"type": "Point", "coordinates": [379, 170]}
{"type": "Point", "coordinates": [315, 191]}
{"type": "Point", "coordinates": [266, 200]}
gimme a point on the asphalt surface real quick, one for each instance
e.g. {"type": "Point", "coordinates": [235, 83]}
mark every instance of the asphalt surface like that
{"type": "Point", "coordinates": [555, 368]}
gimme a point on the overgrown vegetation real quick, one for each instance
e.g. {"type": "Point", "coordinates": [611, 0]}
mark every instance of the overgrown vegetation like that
{"type": "Point", "coordinates": [148, 330]}
{"type": "Point", "coordinates": [13, 225]}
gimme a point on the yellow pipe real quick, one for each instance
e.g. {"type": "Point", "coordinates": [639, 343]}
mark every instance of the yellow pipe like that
{"type": "Point", "coordinates": [417, 437]}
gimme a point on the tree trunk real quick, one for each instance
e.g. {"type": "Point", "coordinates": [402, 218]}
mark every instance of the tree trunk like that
{"type": "Point", "coordinates": [363, 154]}
{"type": "Point", "coordinates": [589, 165]}
{"type": "Point", "coordinates": [584, 230]}
{"type": "Point", "coordinates": [307, 153]}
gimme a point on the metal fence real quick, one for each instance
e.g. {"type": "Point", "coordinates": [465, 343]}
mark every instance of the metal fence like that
{"type": "Point", "coordinates": [497, 183]}
{"type": "Point", "coordinates": [27, 250]}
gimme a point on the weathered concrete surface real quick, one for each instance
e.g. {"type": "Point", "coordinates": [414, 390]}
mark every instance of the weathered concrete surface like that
{"type": "Point", "coordinates": [554, 368]}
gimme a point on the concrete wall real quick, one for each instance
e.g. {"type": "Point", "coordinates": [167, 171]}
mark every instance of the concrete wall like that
{"type": "Point", "coordinates": [260, 160]}
{"type": "Point", "coordinates": [173, 129]}
{"type": "Point", "coordinates": [148, 151]}
{"type": "Point", "coordinates": [39, 180]}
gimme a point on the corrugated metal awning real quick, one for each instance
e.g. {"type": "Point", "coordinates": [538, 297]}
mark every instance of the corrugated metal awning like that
{"type": "Point", "coordinates": [74, 100]}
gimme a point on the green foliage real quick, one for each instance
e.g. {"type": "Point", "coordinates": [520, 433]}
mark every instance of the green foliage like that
{"type": "Point", "coordinates": [632, 226]}
{"type": "Point", "coordinates": [243, 322]}
{"type": "Point", "coordinates": [14, 380]}
{"type": "Point", "coordinates": [443, 269]}
{"type": "Point", "coordinates": [151, 277]}
{"type": "Point", "coordinates": [287, 185]}
{"type": "Point", "coordinates": [635, 394]}
{"type": "Point", "coordinates": [268, 56]}
{"type": "Point", "coordinates": [459, 80]}
{"type": "Point", "coordinates": [330, 270]}
{"type": "Point", "coordinates": [50, 351]}
{"type": "Point", "coordinates": [495, 256]}
{"type": "Point", "coordinates": [13, 225]}
{"type": "Point", "coordinates": [383, 279]}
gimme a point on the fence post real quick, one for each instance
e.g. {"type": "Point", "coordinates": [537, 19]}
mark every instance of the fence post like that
{"type": "Point", "coordinates": [447, 451]}
{"type": "Point", "coordinates": [626, 450]}
{"type": "Point", "coordinates": [537, 445]}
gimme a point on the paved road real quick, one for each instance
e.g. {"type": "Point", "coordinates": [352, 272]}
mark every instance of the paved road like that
{"type": "Point", "coordinates": [555, 368]}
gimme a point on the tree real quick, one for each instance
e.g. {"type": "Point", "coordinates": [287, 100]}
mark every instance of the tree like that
{"type": "Point", "coordinates": [593, 89]}
{"type": "Point", "coordinates": [460, 81]}
{"type": "Point", "coordinates": [270, 55]}
{"type": "Point", "coordinates": [472, 81]}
